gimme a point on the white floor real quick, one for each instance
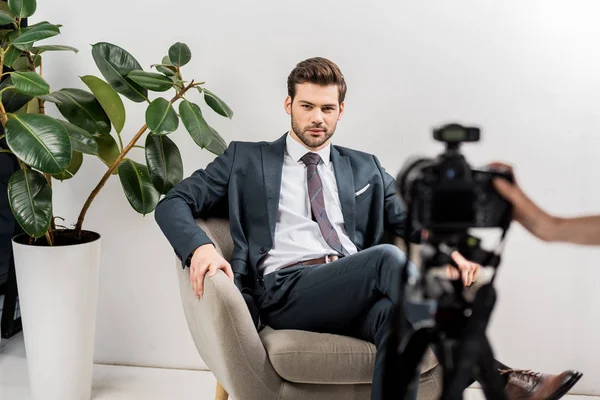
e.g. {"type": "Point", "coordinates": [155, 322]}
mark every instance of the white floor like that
{"type": "Point", "coordinates": [131, 383]}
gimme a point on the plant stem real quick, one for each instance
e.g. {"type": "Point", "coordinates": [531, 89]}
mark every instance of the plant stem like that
{"type": "Point", "coordinates": [52, 226]}
{"type": "Point", "coordinates": [140, 147]}
{"type": "Point", "coordinates": [4, 117]}
{"type": "Point", "coordinates": [49, 239]}
{"type": "Point", "coordinates": [115, 164]}
{"type": "Point", "coordinates": [107, 175]}
{"type": "Point", "coordinates": [50, 233]}
{"type": "Point", "coordinates": [5, 151]}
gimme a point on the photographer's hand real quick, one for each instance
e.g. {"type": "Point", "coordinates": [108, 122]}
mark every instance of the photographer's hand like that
{"type": "Point", "coordinates": [525, 211]}
{"type": "Point", "coordinates": [469, 271]}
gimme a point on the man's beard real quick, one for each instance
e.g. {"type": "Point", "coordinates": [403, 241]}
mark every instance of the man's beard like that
{"type": "Point", "coordinates": [305, 136]}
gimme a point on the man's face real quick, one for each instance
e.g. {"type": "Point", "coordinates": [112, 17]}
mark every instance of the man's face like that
{"type": "Point", "coordinates": [315, 112]}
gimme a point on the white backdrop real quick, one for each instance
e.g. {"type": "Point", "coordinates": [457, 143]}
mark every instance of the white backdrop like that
{"type": "Point", "coordinates": [528, 72]}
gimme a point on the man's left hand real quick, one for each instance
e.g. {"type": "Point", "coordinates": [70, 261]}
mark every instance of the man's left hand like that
{"type": "Point", "coordinates": [468, 270]}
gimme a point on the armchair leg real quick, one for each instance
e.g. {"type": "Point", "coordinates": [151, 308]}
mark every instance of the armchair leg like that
{"type": "Point", "coordinates": [221, 393]}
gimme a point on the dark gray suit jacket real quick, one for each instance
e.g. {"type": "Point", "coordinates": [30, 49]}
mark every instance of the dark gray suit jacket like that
{"type": "Point", "coordinates": [248, 177]}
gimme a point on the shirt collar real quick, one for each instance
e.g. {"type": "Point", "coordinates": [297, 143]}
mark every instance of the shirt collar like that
{"type": "Point", "coordinates": [297, 150]}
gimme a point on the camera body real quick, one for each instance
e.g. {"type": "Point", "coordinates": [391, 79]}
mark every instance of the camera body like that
{"type": "Point", "coordinates": [445, 194]}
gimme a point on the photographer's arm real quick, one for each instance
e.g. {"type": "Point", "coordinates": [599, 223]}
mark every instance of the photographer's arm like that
{"type": "Point", "coordinates": [582, 230]}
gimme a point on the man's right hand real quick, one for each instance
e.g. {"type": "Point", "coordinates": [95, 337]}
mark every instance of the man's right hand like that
{"type": "Point", "coordinates": [206, 259]}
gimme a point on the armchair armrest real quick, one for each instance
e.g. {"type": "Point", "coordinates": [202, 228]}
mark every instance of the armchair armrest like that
{"type": "Point", "coordinates": [225, 336]}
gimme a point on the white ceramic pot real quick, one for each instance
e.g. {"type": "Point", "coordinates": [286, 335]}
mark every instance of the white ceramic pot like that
{"type": "Point", "coordinates": [58, 297]}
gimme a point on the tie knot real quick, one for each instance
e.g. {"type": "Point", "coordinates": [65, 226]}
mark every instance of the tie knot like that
{"type": "Point", "coordinates": [311, 158]}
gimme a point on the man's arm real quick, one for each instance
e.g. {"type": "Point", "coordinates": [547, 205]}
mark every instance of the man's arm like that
{"type": "Point", "coordinates": [394, 208]}
{"type": "Point", "coordinates": [581, 230]}
{"type": "Point", "coordinates": [176, 213]}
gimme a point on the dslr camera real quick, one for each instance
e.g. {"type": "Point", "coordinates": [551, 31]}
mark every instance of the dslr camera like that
{"type": "Point", "coordinates": [445, 194]}
{"type": "Point", "coordinates": [445, 198]}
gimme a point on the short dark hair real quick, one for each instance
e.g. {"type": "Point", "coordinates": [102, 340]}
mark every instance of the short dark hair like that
{"type": "Point", "coordinates": [320, 71]}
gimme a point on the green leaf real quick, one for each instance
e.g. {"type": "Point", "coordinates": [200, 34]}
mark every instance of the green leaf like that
{"type": "Point", "coordinates": [33, 107]}
{"type": "Point", "coordinates": [217, 104]}
{"type": "Point", "coordinates": [108, 150]}
{"type": "Point", "coordinates": [43, 49]}
{"type": "Point", "coordinates": [195, 123]}
{"type": "Point", "coordinates": [151, 80]}
{"type": "Point", "coordinates": [39, 141]}
{"type": "Point", "coordinates": [82, 109]}
{"type": "Point", "coordinates": [35, 33]}
{"type": "Point", "coordinates": [37, 60]}
{"type": "Point", "coordinates": [30, 83]}
{"type": "Point", "coordinates": [11, 56]}
{"type": "Point", "coordinates": [115, 64]}
{"type": "Point", "coordinates": [50, 98]}
{"type": "Point", "coordinates": [76, 161]}
{"type": "Point", "coordinates": [217, 144]}
{"type": "Point", "coordinates": [180, 54]}
{"type": "Point", "coordinates": [22, 8]}
{"type": "Point", "coordinates": [13, 100]}
{"type": "Point", "coordinates": [30, 198]}
{"type": "Point", "coordinates": [137, 186]}
{"type": "Point", "coordinates": [165, 69]}
{"type": "Point", "coordinates": [22, 64]}
{"type": "Point", "coordinates": [81, 140]}
{"type": "Point", "coordinates": [6, 18]}
{"type": "Point", "coordinates": [161, 117]}
{"type": "Point", "coordinates": [109, 100]}
{"type": "Point", "coordinates": [164, 162]}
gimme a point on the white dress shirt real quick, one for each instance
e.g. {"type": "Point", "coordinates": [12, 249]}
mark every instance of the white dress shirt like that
{"type": "Point", "coordinates": [297, 236]}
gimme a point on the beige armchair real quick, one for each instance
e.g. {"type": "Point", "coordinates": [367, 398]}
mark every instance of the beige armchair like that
{"type": "Point", "coordinates": [276, 364]}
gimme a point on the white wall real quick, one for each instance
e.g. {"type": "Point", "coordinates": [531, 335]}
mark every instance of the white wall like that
{"type": "Point", "coordinates": [527, 71]}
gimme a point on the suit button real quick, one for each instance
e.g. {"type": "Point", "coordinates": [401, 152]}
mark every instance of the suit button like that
{"type": "Point", "coordinates": [263, 250]}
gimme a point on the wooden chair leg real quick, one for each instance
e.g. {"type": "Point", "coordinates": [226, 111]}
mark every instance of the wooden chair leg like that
{"type": "Point", "coordinates": [221, 393]}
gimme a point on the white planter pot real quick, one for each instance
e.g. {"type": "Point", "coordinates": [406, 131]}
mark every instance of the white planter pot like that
{"type": "Point", "coordinates": [58, 296]}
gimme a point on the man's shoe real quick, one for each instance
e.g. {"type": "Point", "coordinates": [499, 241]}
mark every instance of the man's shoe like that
{"type": "Point", "coordinates": [536, 386]}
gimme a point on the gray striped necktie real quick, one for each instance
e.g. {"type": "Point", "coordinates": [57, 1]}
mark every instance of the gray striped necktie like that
{"type": "Point", "coordinates": [317, 203]}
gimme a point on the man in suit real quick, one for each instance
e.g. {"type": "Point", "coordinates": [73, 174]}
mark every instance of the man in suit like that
{"type": "Point", "coordinates": [307, 219]}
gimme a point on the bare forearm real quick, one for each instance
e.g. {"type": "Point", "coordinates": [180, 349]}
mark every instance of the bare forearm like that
{"type": "Point", "coordinates": [580, 230]}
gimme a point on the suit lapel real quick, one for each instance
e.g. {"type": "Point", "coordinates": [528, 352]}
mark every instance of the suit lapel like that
{"type": "Point", "coordinates": [345, 184]}
{"type": "Point", "coordinates": [272, 164]}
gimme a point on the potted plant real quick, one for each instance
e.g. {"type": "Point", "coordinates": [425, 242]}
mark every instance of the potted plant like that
{"type": "Point", "coordinates": [57, 267]}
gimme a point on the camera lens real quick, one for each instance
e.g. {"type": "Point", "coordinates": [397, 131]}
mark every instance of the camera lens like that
{"type": "Point", "coordinates": [410, 171]}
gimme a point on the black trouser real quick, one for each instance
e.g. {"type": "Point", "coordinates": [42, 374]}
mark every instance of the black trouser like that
{"type": "Point", "coordinates": [353, 296]}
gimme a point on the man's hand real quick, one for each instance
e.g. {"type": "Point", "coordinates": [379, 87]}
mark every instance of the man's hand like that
{"type": "Point", "coordinates": [206, 259]}
{"type": "Point", "coordinates": [468, 270]}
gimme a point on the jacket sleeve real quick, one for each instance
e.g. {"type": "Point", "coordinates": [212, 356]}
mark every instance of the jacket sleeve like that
{"type": "Point", "coordinates": [395, 212]}
{"type": "Point", "coordinates": [176, 213]}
